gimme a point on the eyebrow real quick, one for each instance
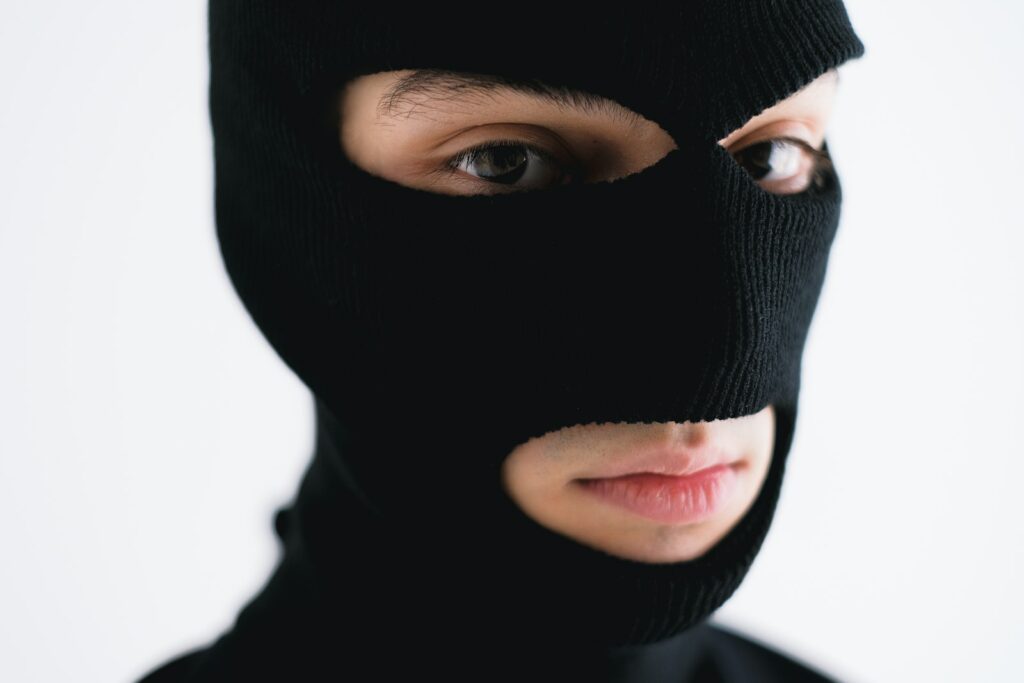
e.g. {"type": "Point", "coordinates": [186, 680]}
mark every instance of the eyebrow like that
{"type": "Point", "coordinates": [435, 86]}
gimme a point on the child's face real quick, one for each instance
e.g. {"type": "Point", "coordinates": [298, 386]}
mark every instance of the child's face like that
{"type": "Point", "coordinates": [417, 133]}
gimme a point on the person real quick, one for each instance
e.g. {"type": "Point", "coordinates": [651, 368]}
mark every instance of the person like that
{"type": "Point", "coordinates": [548, 278]}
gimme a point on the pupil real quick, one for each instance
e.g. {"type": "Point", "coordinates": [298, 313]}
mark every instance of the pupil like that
{"type": "Point", "coordinates": [508, 163]}
{"type": "Point", "coordinates": [756, 159]}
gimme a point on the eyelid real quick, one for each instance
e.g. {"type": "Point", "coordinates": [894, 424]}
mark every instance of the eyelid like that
{"type": "Point", "coordinates": [818, 153]}
{"type": "Point", "coordinates": [822, 170]}
{"type": "Point", "coordinates": [808, 129]}
{"type": "Point", "coordinates": [821, 162]}
{"type": "Point", "coordinates": [450, 166]}
{"type": "Point", "coordinates": [500, 142]}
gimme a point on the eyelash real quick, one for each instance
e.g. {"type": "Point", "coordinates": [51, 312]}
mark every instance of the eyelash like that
{"type": "Point", "coordinates": [470, 152]}
{"type": "Point", "coordinates": [819, 170]}
{"type": "Point", "coordinates": [821, 165]}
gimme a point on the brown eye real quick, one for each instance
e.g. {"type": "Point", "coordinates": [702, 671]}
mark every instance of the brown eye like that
{"type": "Point", "coordinates": [512, 164]}
{"type": "Point", "coordinates": [783, 165]}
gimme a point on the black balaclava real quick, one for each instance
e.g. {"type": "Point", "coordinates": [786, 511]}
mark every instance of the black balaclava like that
{"type": "Point", "coordinates": [438, 332]}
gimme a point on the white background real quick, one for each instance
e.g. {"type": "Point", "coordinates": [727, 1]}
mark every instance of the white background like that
{"type": "Point", "coordinates": [134, 389]}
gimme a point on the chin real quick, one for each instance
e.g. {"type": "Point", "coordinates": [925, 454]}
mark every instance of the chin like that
{"type": "Point", "coordinates": [662, 545]}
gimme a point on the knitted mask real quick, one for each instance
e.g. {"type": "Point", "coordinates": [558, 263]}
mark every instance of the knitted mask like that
{"type": "Point", "coordinates": [437, 332]}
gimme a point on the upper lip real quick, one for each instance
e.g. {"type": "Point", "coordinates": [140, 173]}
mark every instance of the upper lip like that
{"type": "Point", "coordinates": [676, 461]}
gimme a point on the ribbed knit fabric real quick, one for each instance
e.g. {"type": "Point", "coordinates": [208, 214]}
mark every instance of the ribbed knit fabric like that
{"type": "Point", "coordinates": [437, 332]}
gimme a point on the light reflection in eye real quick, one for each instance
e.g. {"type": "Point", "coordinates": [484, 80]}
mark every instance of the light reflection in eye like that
{"type": "Point", "coordinates": [785, 165]}
{"type": "Point", "coordinates": [511, 164]}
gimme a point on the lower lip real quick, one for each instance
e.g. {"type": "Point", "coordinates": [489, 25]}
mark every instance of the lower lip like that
{"type": "Point", "coordinates": [669, 499]}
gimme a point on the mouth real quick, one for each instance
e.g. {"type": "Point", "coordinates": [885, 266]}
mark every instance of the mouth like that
{"type": "Point", "coordinates": [670, 486]}
{"type": "Point", "coordinates": [665, 498]}
{"type": "Point", "coordinates": [674, 462]}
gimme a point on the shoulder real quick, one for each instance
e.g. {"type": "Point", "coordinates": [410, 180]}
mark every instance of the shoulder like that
{"type": "Point", "coordinates": [742, 657]}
